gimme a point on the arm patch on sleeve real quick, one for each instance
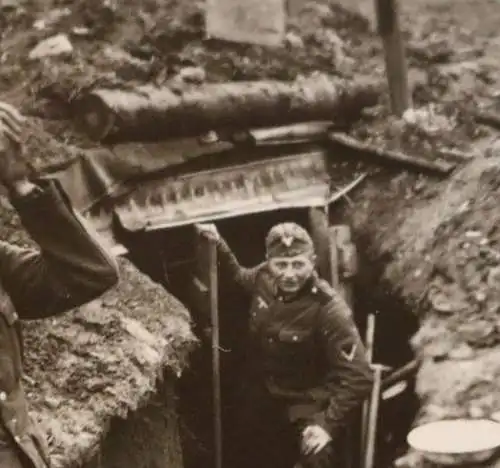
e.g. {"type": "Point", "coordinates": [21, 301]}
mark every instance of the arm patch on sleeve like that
{"type": "Point", "coordinates": [348, 351]}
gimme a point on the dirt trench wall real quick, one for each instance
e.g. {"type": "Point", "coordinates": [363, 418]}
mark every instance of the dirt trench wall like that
{"type": "Point", "coordinates": [438, 245]}
{"type": "Point", "coordinates": [100, 362]}
{"type": "Point", "coordinates": [148, 438]}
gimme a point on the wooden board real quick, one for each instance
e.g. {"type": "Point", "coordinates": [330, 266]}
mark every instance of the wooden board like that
{"type": "Point", "coordinates": [246, 21]}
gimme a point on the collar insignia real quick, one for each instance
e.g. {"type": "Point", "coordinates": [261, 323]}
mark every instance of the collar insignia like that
{"type": "Point", "coordinates": [262, 304]}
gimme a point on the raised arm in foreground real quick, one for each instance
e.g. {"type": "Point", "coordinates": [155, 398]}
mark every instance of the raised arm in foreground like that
{"type": "Point", "coordinates": [70, 267]}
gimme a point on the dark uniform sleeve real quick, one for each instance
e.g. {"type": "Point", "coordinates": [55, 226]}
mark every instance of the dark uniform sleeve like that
{"type": "Point", "coordinates": [70, 267]}
{"type": "Point", "coordinates": [245, 277]}
{"type": "Point", "coordinates": [349, 377]}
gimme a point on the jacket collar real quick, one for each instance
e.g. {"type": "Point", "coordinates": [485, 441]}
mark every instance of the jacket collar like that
{"type": "Point", "coordinates": [310, 286]}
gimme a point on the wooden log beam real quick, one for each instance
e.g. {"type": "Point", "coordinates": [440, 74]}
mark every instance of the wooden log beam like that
{"type": "Point", "coordinates": [151, 113]}
{"type": "Point", "coordinates": [372, 153]}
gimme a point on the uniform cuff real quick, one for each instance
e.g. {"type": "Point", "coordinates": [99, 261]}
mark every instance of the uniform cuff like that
{"type": "Point", "coordinates": [45, 195]}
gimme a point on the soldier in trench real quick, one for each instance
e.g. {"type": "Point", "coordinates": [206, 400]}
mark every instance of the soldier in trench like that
{"type": "Point", "coordinates": [68, 269]}
{"type": "Point", "coordinates": [305, 370]}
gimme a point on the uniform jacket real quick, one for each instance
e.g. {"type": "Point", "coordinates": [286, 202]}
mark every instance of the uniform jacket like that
{"type": "Point", "coordinates": [308, 349]}
{"type": "Point", "coordinates": [69, 269]}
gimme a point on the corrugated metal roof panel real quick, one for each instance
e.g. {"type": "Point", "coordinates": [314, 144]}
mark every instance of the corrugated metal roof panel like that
{"type": "Point", "coordinates": [299, 180]}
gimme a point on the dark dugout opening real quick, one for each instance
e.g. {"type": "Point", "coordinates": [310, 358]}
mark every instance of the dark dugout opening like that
{"type": "Point", "coordinates": [167, 256]}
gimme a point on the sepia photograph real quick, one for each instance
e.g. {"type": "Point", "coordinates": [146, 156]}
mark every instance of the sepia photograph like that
{"type": "Point", "coordinates": [249, 234]}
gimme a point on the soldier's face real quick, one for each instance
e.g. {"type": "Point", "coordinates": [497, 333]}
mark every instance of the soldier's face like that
{"type": "Point", "coordinates": [291, 273]}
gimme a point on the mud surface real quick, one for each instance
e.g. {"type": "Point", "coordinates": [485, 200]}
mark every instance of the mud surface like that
{"type": "Point", "coordinates": [438, 239]}
{"type": "Point", "coordinates": [148, 438]}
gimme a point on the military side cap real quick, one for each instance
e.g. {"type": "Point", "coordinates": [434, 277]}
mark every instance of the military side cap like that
{"type": "Point", "coordinates": [287, 240]}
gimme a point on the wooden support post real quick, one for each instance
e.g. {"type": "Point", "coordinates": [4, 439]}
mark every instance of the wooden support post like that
{"type": "Point", "coordinates": [319, 227]}
{"type": "Point", "coordinates": [206, 295]}
{"type": "Point", "coordinates": [343, 260]}
{"type": "Point", "coordinates": [395, 57]}
{"type": "Point", "coordinates": [214, 307]}
{"type": "Point", "coordinates": [347, 261]}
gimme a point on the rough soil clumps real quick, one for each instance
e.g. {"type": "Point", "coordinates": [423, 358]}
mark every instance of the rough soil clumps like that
{"type": "Point", "coordinates": [441, 253]}
{"type": "Point", "coordinates": [103, 361]}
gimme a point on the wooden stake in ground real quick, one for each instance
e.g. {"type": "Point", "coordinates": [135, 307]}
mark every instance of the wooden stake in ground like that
{"type": "Point", "coordinates": [371, 429]}
{"type": "Point", "coordinates": [395, 57]}
{"type": "Point", "coordinates": [369, 343]}
{"type": "Point", "coordinates": [206, 294]}
{"type": "Point", "coordinates": [149, 113]}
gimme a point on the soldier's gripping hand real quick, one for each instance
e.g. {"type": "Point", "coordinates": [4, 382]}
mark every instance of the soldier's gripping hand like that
{"type": "Point", "coordinates": [209, 231]}
{"type": "Point", "coordinates": [13, 168]}
{"type": "Point", "coordinates": [314, 439]}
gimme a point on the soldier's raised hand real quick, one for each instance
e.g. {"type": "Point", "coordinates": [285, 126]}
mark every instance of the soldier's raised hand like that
{"type": "Point", "coordinates": [12, 166]}
{"type": "Point", "coordinates": [209, 231]}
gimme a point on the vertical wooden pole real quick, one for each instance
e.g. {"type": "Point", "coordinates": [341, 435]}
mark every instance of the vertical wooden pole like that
{"type": "Point", "coordinates": [319, 228]}
{"type": "Point", "coordinates": [347, 261]}
{"type": "Point", "coordinates": [343, 253]}
{"type": "Point", "coordinates": [389, 28]}
{"type": "Point", "coordinates": [206, 297]}
{"type": "Point", "coordinates": [369, 342]}
{"type": "Point", "coordinates": [371, 435]}
{"type": "Point", "coordinates": [214, 310]}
